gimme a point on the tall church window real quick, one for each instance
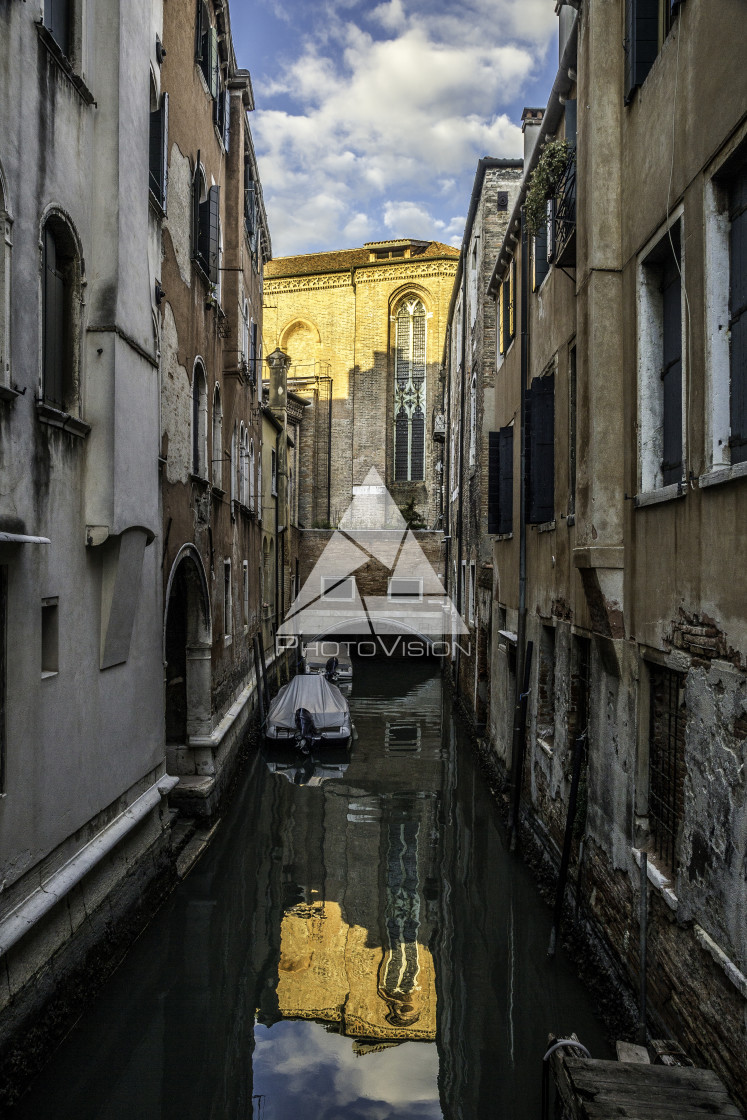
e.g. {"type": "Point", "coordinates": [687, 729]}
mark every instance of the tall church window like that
{"type": "Point", "coordinates": [409, 392]}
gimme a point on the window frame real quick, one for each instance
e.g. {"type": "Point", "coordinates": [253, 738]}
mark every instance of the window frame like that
{"type": "Point", "coordinates": [650, 322]}
{"type": "Point", "coordinates": [410, 393]}
{"type": "Point", "coordinates": [336, 582]}
{"type": "Point", "coordinates": [199, 421]}
{"type": "Point", "coordinates": [227, 603]}
{"type": "Point", "coordinates": [68, 400]}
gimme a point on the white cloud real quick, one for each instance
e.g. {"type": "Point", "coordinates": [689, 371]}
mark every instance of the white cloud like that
{"type": "Point", "coordinates": [370, 123]}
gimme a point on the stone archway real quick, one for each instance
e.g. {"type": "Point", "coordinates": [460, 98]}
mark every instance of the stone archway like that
{"type": "Point", "coordinates": [187, 641]}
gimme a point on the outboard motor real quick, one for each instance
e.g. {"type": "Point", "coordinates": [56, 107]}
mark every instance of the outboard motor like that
{"type": "Point", "coordinates": [306, 733]}
{"type": "Point", "coordinates": [330, 669]}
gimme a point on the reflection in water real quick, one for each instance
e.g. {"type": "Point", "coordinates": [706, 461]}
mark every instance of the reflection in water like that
{"type": "Point", "coordinates": [357, 942]}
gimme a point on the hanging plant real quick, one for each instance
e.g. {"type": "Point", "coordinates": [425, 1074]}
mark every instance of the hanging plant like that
{"type": "Point", "coordinates": [543, 183]}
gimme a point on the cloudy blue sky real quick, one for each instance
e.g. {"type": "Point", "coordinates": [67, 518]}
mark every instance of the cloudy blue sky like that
{"type": "Point", "coordinates": [371, 117]}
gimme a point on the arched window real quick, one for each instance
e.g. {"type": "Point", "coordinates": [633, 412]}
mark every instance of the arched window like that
{"type": "Point", "coordinates": [409, 392]}
{"type": "Point", "coordinates": [199, 422]}
{"type": "Point", "coordinates": [217, 457]}
{"type": "Point", "coordinates": [60, 312]}
{"type": "Point", "coordinates": [251, 474]}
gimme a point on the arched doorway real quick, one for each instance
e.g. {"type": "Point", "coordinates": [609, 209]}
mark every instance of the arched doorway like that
{"type": "Point", "coordinates": [187, 650]}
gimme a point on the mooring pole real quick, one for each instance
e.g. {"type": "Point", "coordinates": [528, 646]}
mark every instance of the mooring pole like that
{"type": "Point", "coordinates": [265, 685]}
{"type": "Point", "coordinates": [643, 916]}
{"type": "Point", "coordinates": [578, 752]}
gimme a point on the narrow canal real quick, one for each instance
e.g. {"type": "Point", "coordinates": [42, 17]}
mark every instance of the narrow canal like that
{"type": "Point", "coordinates": [356, 943]}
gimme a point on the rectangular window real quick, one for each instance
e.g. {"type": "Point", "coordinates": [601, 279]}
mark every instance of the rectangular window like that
{"type": "Point", "coordinates": [540, 262]}
{"type": "Point", "coordinates": [641, 42]}
{"type": "Point", "coordinates": [158, 156]}
{"type": "Point", "coordinates": [506, 310]}
{"type": "Point", "coordinates": [245, 596]}
{"type": "Point", "coordinates": [338, 588]}
{"type": "Point", "coordinates": [666, 765]}
{"type": "Point", "coordinates": [227, 602]}
{"type": "Point", "coordinates": [222, 116]}
{"type": "Point", "coordinates": [405, 590]}
{"type": "Point", "coordinates": [540, 437]}
{"type": "Point", "coordinates": [501, 481]}
{"type": "Point", "coordinates": [660, 363]}
{"type": "Point", "coordinates": [273, 472]}
{"type": "Point", "coordinates": [50, 664]}
{"type": "Point", "coordinates": [206, 49]}
{"type": "Point", "coordinates": [402, 738]}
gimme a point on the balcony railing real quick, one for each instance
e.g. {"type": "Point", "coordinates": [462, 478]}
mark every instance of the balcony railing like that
{"type": "Point", "coordinates": [565, 216]}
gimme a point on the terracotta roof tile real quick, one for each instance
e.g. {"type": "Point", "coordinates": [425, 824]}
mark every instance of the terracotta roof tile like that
{"type": "Point", "coordinates": [342, 260]}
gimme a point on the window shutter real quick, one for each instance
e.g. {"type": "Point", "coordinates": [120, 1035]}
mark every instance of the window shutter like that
{"type": "Point", "coordinates": [641, 42]}
{"type": "Point", "coordinates": [501, 347]}
{"type": "Point", "coordinates": [550, 230]}
{"type": "Point", "coordinates": [209, 220]}
{"type": "Point", "coordinates": [202, 23]}
{"type": "Point", "coordinates": [541, 443]}
{"type": "Point", "coordinates": [226, 119]}
{"type": "Point", "coordinates": [738, 316]}
{"type": "Point", "coordinates": [196, 210]}
{"type": "Point", "coordinates": [213, 63]}
{"type": "Point", "coordinates": [672, 377]}
{"type": "Point", "coordinates": [493, 482]}
{"type": "Point", "coordinates": [57, 22]}
{"type": "Point", "coordinates": [540, 262]}
{"type": "Point", "coordinates": [506, 480]}
{"type": "Point", "coordinates": [511, 298]}
{"type": "Point", "coordinates": [500, 481]}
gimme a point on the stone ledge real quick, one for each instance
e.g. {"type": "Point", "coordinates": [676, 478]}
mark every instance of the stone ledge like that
{"type": "Point", "coordinates": [599, 556]}
{"type": "Point", "coordinates": [737, 978]}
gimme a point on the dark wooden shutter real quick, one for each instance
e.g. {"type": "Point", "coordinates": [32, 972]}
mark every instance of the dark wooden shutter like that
{"type": "Point", "coordinates": [57, 22]}
{"type": "Point", "coordinates": [540, 418]}
{"type": "Point", "coordinates": [493, 482]}
{"type": "Point", "coordinates": [671, 375]}
{"type": "Point", "coordinates": [641, 41]}
{"type": "Point", "coordinates": [506, 480]}
{"type": "Point", "coordinates": [571, 118]}
{"type": "Point", "coordinates": [540, 262]}
{"type": "Point", "coordinates": [738, 316]}
{"type": "Point", "coordinates": [210, 233]}
{"type": "Point", "coordinates": [226, 117]}
{"type": "Point", "coordinates": [501, 481]}
{"type": "Point", "coordinates": [53, 324]}
{"type": "Point", "coordinates": [196, 182]}
{"type": "Point", "coordinates": [159, 152]}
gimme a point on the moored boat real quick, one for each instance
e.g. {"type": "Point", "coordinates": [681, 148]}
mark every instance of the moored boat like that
{"type": "Point", "coordinates": [309, 712]}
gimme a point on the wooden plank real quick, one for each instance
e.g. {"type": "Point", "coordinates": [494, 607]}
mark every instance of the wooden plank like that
{"type": "Point", "coordinates": [591, 1110]}
{"type": "Point", "coordinates": [700, 1104]}
{"type": "Point", "coordinates": [583, 1071]}
{"type": "Point", "coordinates": [629, 1052]}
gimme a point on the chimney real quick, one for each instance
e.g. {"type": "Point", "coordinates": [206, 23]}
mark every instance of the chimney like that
{"type": "Point", "coordinates": [531, 121]}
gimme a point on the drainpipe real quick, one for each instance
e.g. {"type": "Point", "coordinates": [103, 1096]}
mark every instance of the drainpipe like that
{"type": "Point", "coordinates": [519, 722]}
{"type": "Point", "coordinates": [446, 521]}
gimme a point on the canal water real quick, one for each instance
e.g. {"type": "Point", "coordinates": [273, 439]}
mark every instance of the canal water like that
{"type": "Point", "coordinates": [356, 943]}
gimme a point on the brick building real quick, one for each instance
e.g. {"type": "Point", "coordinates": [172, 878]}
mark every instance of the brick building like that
{"type": "Point", "coordinates": [364, 329]}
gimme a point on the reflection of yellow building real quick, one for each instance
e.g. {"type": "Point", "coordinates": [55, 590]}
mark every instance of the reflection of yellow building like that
{"type": "Point", "coordinates": [330, 972]}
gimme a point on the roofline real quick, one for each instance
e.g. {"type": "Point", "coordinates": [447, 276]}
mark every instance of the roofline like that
{"type": "Point", "coordinates": [550, 122]}
{"type": "Point", "coordinates": [353, 267]}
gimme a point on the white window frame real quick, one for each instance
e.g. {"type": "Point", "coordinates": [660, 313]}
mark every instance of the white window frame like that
{"type": "Point", "coordinates": [393, 597]}
{"type": "Point", "coordinates": [650, 391]}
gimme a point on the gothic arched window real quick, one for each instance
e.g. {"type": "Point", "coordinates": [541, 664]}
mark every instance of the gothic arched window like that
{"type": "Point", "coordinates": [409, 392]}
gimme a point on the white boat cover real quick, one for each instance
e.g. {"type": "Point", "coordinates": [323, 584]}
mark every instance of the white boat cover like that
{"type": "Point", "coordinates": [325, 702]}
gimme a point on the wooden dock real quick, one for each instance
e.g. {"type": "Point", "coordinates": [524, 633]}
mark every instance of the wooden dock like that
{"type": "Point", "coordinates": [609, 1090]}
